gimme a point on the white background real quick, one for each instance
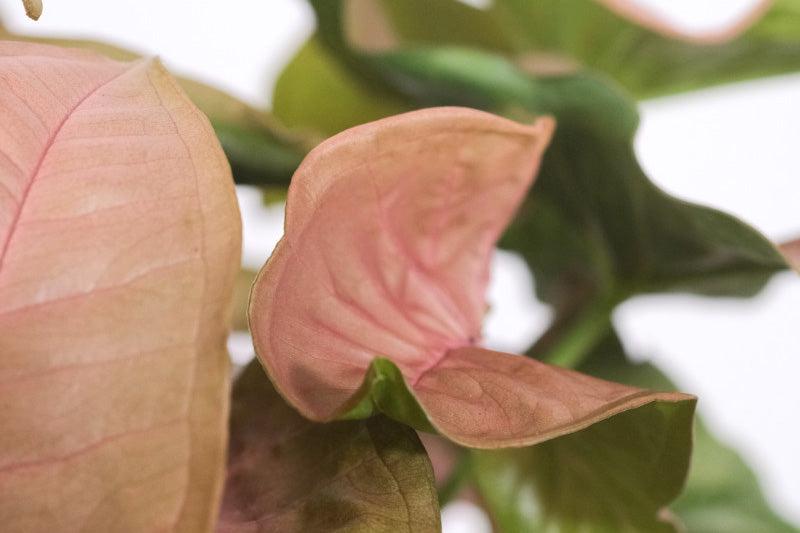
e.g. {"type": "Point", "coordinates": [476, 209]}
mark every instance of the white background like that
{"type": "Point", "coordinates": [736, 148]}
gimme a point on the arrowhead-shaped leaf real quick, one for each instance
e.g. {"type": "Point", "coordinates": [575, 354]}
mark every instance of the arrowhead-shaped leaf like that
{"type": "Point", "coordinates": [291, 475]}
{"type": "Point", "coordinates": [119, 244]}
{"type": "Point", "coordinates": [594, 227]}
{"type": "Point", "coordinates": [389, 231]}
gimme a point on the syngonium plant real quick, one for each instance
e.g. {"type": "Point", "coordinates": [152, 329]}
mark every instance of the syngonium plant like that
{"type": "Point", "coordinates": [121, 240]}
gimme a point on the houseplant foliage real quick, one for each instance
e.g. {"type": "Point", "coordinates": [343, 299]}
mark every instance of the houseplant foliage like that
{"type": "Point", "coordinates": [120, 243]}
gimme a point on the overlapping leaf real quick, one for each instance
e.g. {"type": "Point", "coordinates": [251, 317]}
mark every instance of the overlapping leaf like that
{"type": "Point", "coordinates": [594, 229]}
{"type": "Point", "coordinates": [119, 244]}
{"type": "Point", "coordinates": [291, 475]}
{"type": "Point", "coordinates": [260, 151]}
{"type": "Point", "coordinates": [721, 495]}
{"type": "Point", "coordinates": [389, 231]}
{"type": "Point", "coordinates": [577, 483]}
{"type": "Point", "coordinates": [641, 50]}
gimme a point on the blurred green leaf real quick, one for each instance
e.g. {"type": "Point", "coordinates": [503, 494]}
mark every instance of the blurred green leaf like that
{"type": "Point", "coordinates": [646, 62]}
{"type": "Point", "coordinates": [593, 229]}
{"type": "Point", "coordinates": [448, 22]}
{"type": "Point", "coordinates": [288, 474]}
{"type": "Point", "coordinates": [317, 92]}
{"type": "Point", "coordinates": [649, 59]}
{"type": "Point", "coordinates": [259, 149]}
{"type": "Point", "coordinates": [721, 495]}
{"type": "Point", "coordinates": [613, 477]}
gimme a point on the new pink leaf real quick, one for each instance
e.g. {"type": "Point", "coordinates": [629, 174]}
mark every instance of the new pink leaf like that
{"type": "Point", "coordinates": [389, 231]}
{"type": "Point", "coordinates": [119, 243]}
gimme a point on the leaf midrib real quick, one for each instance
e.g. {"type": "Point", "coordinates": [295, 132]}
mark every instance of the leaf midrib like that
{"type": "Point", "coordinates": [45, 151]}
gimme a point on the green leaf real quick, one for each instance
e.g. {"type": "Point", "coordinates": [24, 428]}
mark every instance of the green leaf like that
{"type": "Point", "coordinates": [288, 474]}
{"type": "Point", "coordinates": [638, 49]}
{"type": "Point", "coordinates": [594, 228]}
{"type": "Point", "coordinates": [593, 224]}
{"type": "Point", "coordinates": [650, 63]}
{"type": "Point", "coordinates": [385, 391]}
{"type": "Point", "coordinates": [316, 91]}
{"type": "Point", "coordinates": [722, 494]}
{"type": "Point", "coordinates": [613, 477]}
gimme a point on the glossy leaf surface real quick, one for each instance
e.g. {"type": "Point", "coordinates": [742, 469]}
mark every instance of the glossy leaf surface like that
{"type": "Point", "coordinates": [389, 230]}
{"type": "Point", "coordinates": [119, 243]}
{"type": "Point", "coordinates": [288, 474]}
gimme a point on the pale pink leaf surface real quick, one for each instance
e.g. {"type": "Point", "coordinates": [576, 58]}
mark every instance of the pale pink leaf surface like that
{"type": "Point", "coordinates": [389, 230]}
{"type": "Point", "coordinates": [119, 244]}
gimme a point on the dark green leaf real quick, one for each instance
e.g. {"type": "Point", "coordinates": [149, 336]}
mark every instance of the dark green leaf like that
{"type": "Point", "coordinates": [722, 495]}
{"type": "Point", "coordinates": [613, 477]}
{"type": "Point", "coordinates": [288, 474]}
{"type": "Point", "coordinates": [589, 33]}
{"type": "Point", "coordinates": [593, 228]}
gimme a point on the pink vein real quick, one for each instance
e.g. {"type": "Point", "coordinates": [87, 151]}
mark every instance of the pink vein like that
{"type": "Point", "coordinates": [12, 467]}
{"type": "Point", "coordinates": [37, 168]}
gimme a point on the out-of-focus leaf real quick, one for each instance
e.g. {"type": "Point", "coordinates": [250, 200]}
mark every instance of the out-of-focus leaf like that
{"type": "Point", "coordinates": [288, 474]}
{"type": "Point", "coordinates": [241, 297]}
{"type": "Point", "coordinates": [259, 149]}
{"type": "Point", "coordinates": [594, 229]}
{"type": "Point", "coordinates": [119, 243]}
{"type": "Point", "coordinates": [791, 250]}
{"type": "Point", "coordinates": [721, 495]}
{"type": "Point", "coordinates": [638, 48]}
{"type": "Point", "coordinates": [425, 22]}
{"type": "Point", "coordinates": [389, 230]}
{"type": "Point", "coordinates": [647, 55]}
{"type": "Point", "coordinates": [613, 477]}
{"type": "Point", "coordinates": [33, 8]}
{"type": "Point", "coordinates": [315, 91]}
{"type": "Point", "coordinates": [593, 223]}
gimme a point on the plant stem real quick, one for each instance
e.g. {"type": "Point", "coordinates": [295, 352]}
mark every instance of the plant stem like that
{"type": "Point", "coordinates": [570, 342]}
{"type": "Point", "coordinates": [458, 476]}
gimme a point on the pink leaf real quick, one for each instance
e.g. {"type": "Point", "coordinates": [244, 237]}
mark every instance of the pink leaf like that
{"type": "Point", "coordinates": [389, 231]}
{"type": "Point", "coordinates": [119, 244]}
